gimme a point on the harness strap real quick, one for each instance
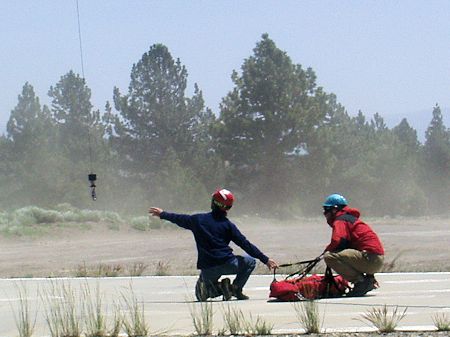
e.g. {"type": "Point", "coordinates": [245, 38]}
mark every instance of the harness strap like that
{"type": "Point", "coordinates": [330, 281]}
{"type": "Point", "coordinates": [303, 271]}
{"type": "Point", "coordinates": [295, 263]}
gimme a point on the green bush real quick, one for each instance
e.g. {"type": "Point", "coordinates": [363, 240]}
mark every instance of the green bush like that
{"type": "Point", "coordinates": [113, 217]}
{"type": "Point", "coordinates": [33, 220]}
{"type": "Point", "coordinates": [140, 223]}
{"type": "Point", "coordinates": [22, 217]}
{"type": "Point", "coordinates": [46, 216]}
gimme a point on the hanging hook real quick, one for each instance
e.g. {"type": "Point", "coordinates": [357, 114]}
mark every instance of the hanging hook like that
{"type": "Point", "coordinates": [92, 178]}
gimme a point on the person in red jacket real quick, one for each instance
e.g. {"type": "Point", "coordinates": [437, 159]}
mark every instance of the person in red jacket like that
{"type": "Point", "coordinates": [355, 250]}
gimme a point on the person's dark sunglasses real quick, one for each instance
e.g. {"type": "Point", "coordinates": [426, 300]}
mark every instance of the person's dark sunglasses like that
{"type": "Point", "coordinates": [327, 209]}
{"type": "Point", "coordinates": [220, 205]}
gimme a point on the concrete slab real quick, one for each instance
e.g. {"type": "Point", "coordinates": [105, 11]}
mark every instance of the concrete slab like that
{"type": "Point", "coordinates": [168, 302]}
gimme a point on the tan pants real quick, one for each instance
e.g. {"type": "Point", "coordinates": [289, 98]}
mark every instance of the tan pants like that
{"type": "Point", "coordinates": [351, 263]}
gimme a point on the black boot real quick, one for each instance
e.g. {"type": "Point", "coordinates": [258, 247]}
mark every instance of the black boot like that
{"type": "Point", "coordinates": [201, 291]}
{"type": "Point", "coordinates": [237, 292]}
{"type": "Point", "coordinates": [227, 289]}
{"type": "Point", "coordinates": [361, 288]}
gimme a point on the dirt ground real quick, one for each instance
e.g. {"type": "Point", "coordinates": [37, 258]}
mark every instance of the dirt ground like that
{"type": "Point", "coordinates": [420, 244]}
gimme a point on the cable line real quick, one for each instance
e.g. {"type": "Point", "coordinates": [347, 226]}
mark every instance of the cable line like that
{"type": "Point", "coordinates": [79, 38]}
{"type": "Point", "coordinates": [91, 176]}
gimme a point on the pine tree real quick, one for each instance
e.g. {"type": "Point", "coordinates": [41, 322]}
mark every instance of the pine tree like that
{"type": "Point", "coordinates": [156, 121]}
{"type": "Point", "coordinates": [28, 123]}
{"type": "Point", "coordinates": [437, 163]}
{"type": "Point", "coordinates": [265, 122]}
{"type": "Point", "coordinates": [77, 123]}
{"type": "Point", "coordinates": [79, 138]}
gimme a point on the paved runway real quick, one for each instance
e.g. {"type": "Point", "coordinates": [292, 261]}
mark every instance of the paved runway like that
{"type": "Point", "coordinates": [168, 302]}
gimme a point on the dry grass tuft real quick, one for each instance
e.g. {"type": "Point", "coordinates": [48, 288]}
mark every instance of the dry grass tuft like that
{"type": "Point", "coordinates": [134, 322]}
{"type": "Point", "coordinates": [233, 319]}
{"type": "Point", "coordinates": [307, 313]}
{"type": "Point", "coordinates": [260, 327]}
{"type": "Point", "coordinates": [25, 320]}
{"type": "Point", "coordinates": [162, 268]}
{"type": "Point", "coordinates": [95, 319]}
{"type": "Point", "coordinates": [62, 310]}
{"type": "Point", "coordinates": [202, 318]}
{"type": "Point", "coordinates": [237, 324]}
{"type": "Point", "coordinates": [384, 321]}
{"type": "Point", "coordinates": [137, 269]}
{"type": "Point", "coordinates": [99, 270]}
{"type": "Point", "coordinates": [441, 321]}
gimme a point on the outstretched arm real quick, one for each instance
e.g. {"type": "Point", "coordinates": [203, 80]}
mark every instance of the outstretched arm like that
{"type": "Point", "coordinates": [182, 220]}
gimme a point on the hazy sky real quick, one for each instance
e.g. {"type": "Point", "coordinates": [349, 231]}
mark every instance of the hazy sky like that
{"type": "Point", "coordinates": [390, 57]}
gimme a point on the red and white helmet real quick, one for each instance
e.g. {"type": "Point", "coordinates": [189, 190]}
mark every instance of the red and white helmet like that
{"type": "Point", "coordinates": [223, 199]}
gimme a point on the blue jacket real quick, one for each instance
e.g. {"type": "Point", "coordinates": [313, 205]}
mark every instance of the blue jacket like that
{"type": "Point", "coordinates": [213, 233]}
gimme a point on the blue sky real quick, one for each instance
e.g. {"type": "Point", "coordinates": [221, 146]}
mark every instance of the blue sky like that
{"type": "Point", "coordinates": [390, 57]}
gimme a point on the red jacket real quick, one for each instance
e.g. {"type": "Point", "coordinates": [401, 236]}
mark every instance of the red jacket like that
{"type": "Point", "coordinates": [357, 235]}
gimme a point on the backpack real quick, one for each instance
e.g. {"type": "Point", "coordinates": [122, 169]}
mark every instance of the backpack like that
{"type": "Point", "coordinates": [311, 287]}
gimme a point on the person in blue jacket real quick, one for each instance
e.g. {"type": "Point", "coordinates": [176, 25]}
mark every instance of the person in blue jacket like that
{"type": "Point", "coordinates": [213, 233]}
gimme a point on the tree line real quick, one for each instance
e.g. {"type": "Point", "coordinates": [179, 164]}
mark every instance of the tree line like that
{"type": "Point", "coordinates": [280, 142]}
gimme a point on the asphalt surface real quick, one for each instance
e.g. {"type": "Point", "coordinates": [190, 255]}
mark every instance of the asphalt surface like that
{"type": "Point", "coordinates": [169, 301]}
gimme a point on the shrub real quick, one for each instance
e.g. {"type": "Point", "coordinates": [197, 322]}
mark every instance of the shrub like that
{"type": "Point", "coordinates": [45, 216]}
{"type": "Point", "coordinates": [140, 223]}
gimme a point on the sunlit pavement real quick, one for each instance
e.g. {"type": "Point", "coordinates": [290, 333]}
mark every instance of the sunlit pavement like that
{"type": "Point", "coordinates": [169, 301]}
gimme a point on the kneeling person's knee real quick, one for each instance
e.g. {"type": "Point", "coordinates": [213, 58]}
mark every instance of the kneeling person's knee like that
{"type": "Point", "coordinates": [247, 261]}
{"type": "Point", "coordinates": [329, 258]}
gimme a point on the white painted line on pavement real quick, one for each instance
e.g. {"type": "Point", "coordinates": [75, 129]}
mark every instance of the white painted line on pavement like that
{"type": "Point", "coordinates": [187, 277]}
{"type": "Point", "coordinates": [362, 329]}
{"type": "Point", "coordinates": [417, 281]}
{"type": "Point", "coordinates": [403, 297]}
{"type": "Point", "coordinates": [414, 273]}
{"type": "Point", "coordinates": [416, 328]}
{"type": "Point", "coordinates": [370, 329]}
{"type": "Point", "coordinates": [415, 292]}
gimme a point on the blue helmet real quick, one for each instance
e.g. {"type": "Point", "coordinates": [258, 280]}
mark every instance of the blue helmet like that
{"type": "Point", "coordinates": [334, 200]}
